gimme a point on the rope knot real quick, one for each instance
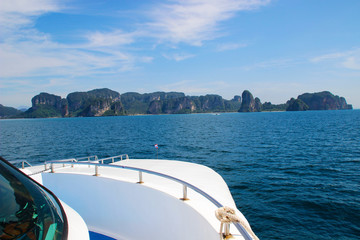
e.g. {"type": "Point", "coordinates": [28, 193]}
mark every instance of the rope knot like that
{"type": "Point", "coordinates": [226, 215]}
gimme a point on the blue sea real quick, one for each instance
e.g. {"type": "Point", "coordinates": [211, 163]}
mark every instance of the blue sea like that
{"type": "Point", "coordinates": [294, 175]}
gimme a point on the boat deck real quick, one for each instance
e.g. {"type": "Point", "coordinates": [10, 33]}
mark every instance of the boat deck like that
{"type": "Point", "coordinates": [200, 176]}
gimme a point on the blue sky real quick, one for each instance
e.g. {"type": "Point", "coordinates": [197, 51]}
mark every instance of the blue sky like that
{"type": "Point", "coordinates": [277, 49]}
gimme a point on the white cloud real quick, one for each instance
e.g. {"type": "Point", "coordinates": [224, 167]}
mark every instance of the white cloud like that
{"type": "Point", "coordinates": [21, 13]}
{"type": "Point", "coordinates": [193, 22]}
{"type": "Point", "coordinates": [25, 52]}
{"type": "Point", "coordinates": [30, 59]}
{"type": "Point", "coordinates": [328, 57]}
{"type": "Point", "coordinates": [115, 38]}
{"type": "Point", "coordinates": [352, 62]}
{"type": "Point", "coordinates": [178, 56]}
{"type": "Point", "coordinates": [346, 59]}
{"type": "Point", "coordinates": [230, 46]}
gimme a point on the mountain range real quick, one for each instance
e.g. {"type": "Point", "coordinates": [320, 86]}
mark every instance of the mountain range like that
{"type": "Point", "coordinates": [106, 102]}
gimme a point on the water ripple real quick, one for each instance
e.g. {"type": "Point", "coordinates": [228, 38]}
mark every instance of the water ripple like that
{"type": "Point", "coordinates": [293, 175]}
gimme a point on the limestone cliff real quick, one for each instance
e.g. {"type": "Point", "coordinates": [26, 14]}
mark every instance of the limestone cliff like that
{"type": "Point", "coordinates": [296, 105]}
{"type": "Point", "coordinates": [192, 104]}
{"type": "Point", "coordinates": [258, 105]}
{"type": "Point", "coordinates": [248, 103]}
{"type": "Point", "coordinates": [47, 105]}
{"type": "Point", "coordinates": [318, 101]}
{"type": "Point", "coordinates": [172, 106]}
{"type": "Point", "coordinates": [98, 102]}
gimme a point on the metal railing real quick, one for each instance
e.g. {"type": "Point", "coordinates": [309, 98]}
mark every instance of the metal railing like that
{"type": "Point", "coordinates": [20, 162]}
{"type": "Point", "coordinates": [185, 184]}
{"type": "Point", "coordinates": [122, 156]}
{"type": "Point", "coordinates": [89, 158]}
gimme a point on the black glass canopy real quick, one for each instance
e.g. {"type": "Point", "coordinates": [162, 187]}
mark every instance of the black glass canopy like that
{"type": "Point", "coordinates": [27, 209]}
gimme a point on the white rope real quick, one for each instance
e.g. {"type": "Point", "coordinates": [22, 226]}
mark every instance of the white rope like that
{"type": "Point", "coordinates": [228, 215]}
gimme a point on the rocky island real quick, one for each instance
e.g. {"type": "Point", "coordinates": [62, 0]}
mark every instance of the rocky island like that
{"type": "Point", "coordinates": [106, 102]}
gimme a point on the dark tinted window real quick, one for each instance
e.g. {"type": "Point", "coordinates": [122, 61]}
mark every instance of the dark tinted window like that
{"type": "Point", "coordinates": [27, 211]}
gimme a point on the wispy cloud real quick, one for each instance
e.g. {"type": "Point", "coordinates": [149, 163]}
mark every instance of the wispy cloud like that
{"type": "Point", "coordinates": [108, 39]}
{"type": "Point", "coordinates": [21, 13]}
{"type": "Point", "coordinates": [346, 59]}
{"type": "Point", "coordinates": [193, 22]}
{"type": "Point", "coordinates": [180, 21]}
{"type": "Point", "coordinates": [229, 46]}
{"type": "Point", "coordinates": [50, 59]}
{"type": "Point", "coordinates": [329, 57]}
{"type": "Point", "coordinates": [27, 52]}
{"type": "Point", "coordinates": [178, 56]}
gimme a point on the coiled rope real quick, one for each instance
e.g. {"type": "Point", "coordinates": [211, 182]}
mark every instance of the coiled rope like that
{"type": "Point", "coordinates": [227, 215]}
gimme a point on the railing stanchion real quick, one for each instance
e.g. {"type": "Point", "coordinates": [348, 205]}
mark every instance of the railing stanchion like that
{"type": "Point", "coordinates": [112, 160]}
{"type": "Point", "coordinates": [45, 166]}
{"type": "Point", "coordinates": [96, 170]}
{"type": "Point", "coordinates": [184, 198]}
{"type": "Point", "coordinates": [140, 178]}
{"type": "Point", "coordinates": [227, 229]}
{"type": "Point", "coordinates": [52, 168]}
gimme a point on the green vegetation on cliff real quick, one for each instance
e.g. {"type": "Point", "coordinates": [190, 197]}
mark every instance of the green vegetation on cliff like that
{"type": "Point", "coordinates": [296, 105]}
{"type": "Point", "coordinates": [8, 111]}
{"type": "Point", "coordinates": [41, 111]}
{"type": "Point", "coordinates": [269, 107]}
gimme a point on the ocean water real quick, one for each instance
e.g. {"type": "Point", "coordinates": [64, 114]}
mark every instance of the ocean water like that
{"type": "Point", "coordinates": [294, 175]}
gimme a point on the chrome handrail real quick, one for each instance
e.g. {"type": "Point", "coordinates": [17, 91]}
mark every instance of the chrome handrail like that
{"type": "Point", "coordinates": [185, 184]}
{"type": "Point", "coordinates": [88, 158]}
{"type": "Point", "coordinates": [62, 161]}
{"type": "Point", "coordinates": [23, 162]}
{"type": "Point", "coordinates": [113, 158]}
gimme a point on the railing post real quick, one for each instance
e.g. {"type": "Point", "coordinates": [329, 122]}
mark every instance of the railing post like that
{"type": "Point", "coordinates": [184, 198]}
{"type": "Point", "coordinates": [121, 157]}
{"type": "Point", "coordinates": [96, 170]}
{"type": "Point", "coordinates": [140, 178]}
{"type": "Point", "coordinates": [227, 229]}
{"type": "Point", "coordinates": [45, 166]}
{"type": "Point", "coordinates": [22, 164]}
{"type": "Point", "coordinates": [52, 168]}
{"type": "Point", "coordinates": [112, 159]}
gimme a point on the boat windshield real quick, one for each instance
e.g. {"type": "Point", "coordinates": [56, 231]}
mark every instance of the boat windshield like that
{"type": "Point", "coordinates": [28, 211]}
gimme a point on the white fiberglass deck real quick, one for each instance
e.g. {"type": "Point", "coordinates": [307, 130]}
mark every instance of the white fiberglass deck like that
{"type": "Point", "coordinates": [151, 210]}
